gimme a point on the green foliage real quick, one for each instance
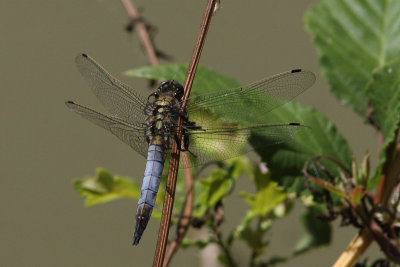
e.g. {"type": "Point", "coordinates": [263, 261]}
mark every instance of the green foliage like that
{"type": "Point", "coordinates": [105, 187]}
{"type": "Point", "coordinates": [213, 189]}
{"type": "Point", "coordinates": [261, 210]}
{"type": "Point", "coordinates": [384, 93]}
{"type": "Point", "coordinates": [356, 195]}
{"type": "Point", "coordinates": [359, 44]}
{"type": "Point", "coordinates": [286, 160]}
{"type": "Point", "coordinates": [268, 195]}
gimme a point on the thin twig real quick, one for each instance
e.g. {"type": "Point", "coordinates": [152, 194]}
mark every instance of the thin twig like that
{"type": "Point", "coordinates": [141, 29]}
{"type": "Point", "coordinates": [184, 222]}
{"type": "Point", "coordinates": [174, 160]}
{"type": "Point", "coordinates": [224, 248]}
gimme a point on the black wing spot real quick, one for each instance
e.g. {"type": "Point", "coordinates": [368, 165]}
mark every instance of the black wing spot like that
{"type": "Point", "coordinates": [84, 55]}
{"type": "Point", "coordinates": [296, 70]}
{"type": "Point", "coordinates": [69, 102]}
{"type": "Point", "coordinates": [294, 123]}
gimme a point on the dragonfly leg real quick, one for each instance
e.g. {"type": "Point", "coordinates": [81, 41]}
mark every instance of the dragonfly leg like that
{"type": "Point", "coordinates": [178, 143]}
{"type": "Point", "coordinates": [185, 144]}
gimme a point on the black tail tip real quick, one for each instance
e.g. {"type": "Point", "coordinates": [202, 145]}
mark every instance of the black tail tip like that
{"type": "Point", "coordinates": [84, 55]}
{"type": "Point", "coordinates": [136, 240]}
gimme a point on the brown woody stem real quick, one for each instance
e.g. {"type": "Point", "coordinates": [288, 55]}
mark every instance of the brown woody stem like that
{"type": "Point", "coordinates": [174, 159]}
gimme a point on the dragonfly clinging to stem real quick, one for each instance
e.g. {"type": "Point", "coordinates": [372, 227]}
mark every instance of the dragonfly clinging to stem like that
{"type": "Point", "coordinates": [149, 125]}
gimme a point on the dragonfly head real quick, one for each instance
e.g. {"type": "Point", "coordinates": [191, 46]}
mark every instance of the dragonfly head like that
{"type": "Point", "coordinates": [171, 86]}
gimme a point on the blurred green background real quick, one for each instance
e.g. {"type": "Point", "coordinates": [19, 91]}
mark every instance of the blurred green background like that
{"type": "Point", "coordinates": [44, 146]}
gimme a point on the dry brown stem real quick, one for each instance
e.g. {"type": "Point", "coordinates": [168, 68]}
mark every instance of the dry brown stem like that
{"type": "Point", "coordinates": [174, 159]}
{"type": "Point", "coordinates": [141, 30]}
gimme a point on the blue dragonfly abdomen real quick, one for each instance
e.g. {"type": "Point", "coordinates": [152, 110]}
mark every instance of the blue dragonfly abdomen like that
{"type": "Point", "coordinates": [150, 185]}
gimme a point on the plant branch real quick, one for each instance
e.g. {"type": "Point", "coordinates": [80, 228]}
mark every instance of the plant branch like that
{"type": "Point", "coordinates": [389, 178]}
{"type": "Point", "coordinates": [355, 249]}
{"type": "Point", "coordinates": [174, 160]}
{"type": "Point", "coordinates": [223, 247]}
{"type": "Point", "coordinates": [141, 30]}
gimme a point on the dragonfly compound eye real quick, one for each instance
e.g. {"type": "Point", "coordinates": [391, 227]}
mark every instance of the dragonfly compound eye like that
{"type": "Point", "coordinates": [178, 89]}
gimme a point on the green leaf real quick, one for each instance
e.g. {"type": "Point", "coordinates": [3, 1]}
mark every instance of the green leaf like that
{"type": "Point", "coordinates": [268, 196]}
{"type": "Point", "coordinates": [104, 188]}
{"type": "Point", "coordinates": [361, 175]}
{"type": "Point", "coordinates": [359, 45]}
{"type": "Point", "coordinates": [213, 189]}
{"type": "Point", "coordinates": [356, 195]}
{"type": "Point", "coordinates": [205, 80]}
{"type": "Point", "coordinates": [384, 92]}
{"type": "Point", "coordinates": [285, 161]}
{"type": "Point", "coordinates": [262, 204]}
{"type": "Point", "coordinates": [354, 38]}
{"type": "Point", "coordinates": [329, 186]}
{"type": "Point", "coordinates": [253, 239]}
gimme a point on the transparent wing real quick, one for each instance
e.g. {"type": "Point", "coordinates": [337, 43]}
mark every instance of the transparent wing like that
{"type": "Point", "coordinates": [132, 134]}
{"type": "Point", "coordinates": [118, 98]}
{"type": "Point", "coordinates": [262, 96]}
{"type": "Point", "coordinates": [215, 144]}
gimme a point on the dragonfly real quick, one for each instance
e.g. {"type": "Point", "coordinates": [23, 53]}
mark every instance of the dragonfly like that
{"type": "Point", "coordinates": [149, 125]}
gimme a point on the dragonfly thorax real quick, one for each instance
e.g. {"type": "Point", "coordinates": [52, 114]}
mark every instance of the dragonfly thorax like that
{"type": "Point", "coordinates": [162, 113]}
